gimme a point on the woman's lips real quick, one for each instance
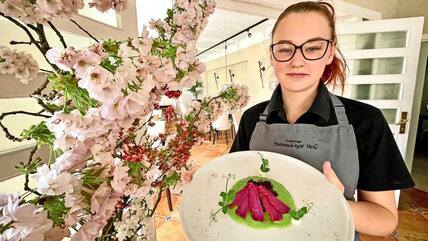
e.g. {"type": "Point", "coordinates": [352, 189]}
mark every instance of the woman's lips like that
{"type": "Point", "coordinates": [297, 75]}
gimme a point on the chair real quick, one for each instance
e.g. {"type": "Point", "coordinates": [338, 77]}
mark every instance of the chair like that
{"type": "Point", "coordinates": [184, 102]}
{"type": "Point", "coordinates": [221, 124]}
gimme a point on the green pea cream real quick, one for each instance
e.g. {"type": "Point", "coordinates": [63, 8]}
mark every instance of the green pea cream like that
{"type": "Point", "coordinates": [283, 195]}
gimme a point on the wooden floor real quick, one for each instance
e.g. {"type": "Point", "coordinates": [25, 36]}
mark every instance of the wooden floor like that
{"type": "Point", "coordinates": [413, 208]}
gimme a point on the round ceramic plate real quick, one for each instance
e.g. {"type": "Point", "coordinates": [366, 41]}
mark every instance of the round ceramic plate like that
{"type": "Point", "coordinates": [329, 219]}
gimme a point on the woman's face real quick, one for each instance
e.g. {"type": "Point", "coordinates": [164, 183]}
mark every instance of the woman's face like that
{"type": "Point", "coordinates": [300, 74]}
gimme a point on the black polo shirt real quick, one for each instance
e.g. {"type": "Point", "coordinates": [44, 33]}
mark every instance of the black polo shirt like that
{"type": "Point", "coordinates": [381, 164]}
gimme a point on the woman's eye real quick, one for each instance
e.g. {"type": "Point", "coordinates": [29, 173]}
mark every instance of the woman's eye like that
{"type": "Point", "coordinates": [312, 49]}
{"type": "Point", "coordinates": [285, 51]}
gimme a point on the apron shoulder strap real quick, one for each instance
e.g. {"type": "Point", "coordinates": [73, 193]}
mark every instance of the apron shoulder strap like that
{"type": "Point", "coordinates": [264, 115]}
{"type": "Point", "coordinates": [339, 110]}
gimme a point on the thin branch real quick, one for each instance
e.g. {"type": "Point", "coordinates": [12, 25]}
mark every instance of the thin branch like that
{"type": "Point", "coordinates": [39, 44]}
{"type": "Point", "coordinates": [6, 131]}
{"type": "Point", "coordinates": [40, 30]}
{"type": "Point", "coordinates": [152, 211]}
{"type": "Point", "coordinates": [61, 38]}
{"type": "Point", "coordinates": [39, 90]}
{"type": "Point", "coordinates": [26, 187]}
{"type": "Point", "coordinates": [16, 22]}
{"type": "Point", "coordinates": [84, 30]}
{"type": "Point", "coordinates": [21, 42]}
{"type": "Point", "coordinates": [10, 136]}
{"type": "Point", "coordinates": [47, 71]}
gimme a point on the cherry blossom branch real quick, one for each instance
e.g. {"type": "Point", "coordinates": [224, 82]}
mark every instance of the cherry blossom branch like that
{"type": "Point", "coordinates": [17, 23]}
{"type": "Point", "coordinates": [61, 38]}
{"type": "Point", "coordinates": [6, 131]}
{"type": "Point", "coordinates": [152, 211]}
{"type": "Point", "coordinates": [84, 30]}
{"type": "Point", "coordinates": [21, 42]}
{"type": "Point", "coordinates": [26, 187]}
{"type": "Point", "coordinates": [47, 71]}
{"type": "Point", "coordinates": [38, 92]}
{"type": "Point", "coordinates": [42, 45]}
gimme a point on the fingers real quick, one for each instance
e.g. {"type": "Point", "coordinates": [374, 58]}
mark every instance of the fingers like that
{"type": "Point", "coordinates": [332, 177]}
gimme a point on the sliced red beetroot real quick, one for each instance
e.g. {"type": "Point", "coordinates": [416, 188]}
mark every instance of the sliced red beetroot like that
{"type": "Point", "coordinates": [243, 207]}
{"type": "Point", "coordinates": [272, 212]}
{"type": "Point", "coordinates": [255, 204]}
{"type": "Point", "coordinates": [268, 200]}
{"type": "Point", "coordinates": [240, 196]}
{"type": "Point", "coordinates": [242, 201]}
{"type": "Point", "coordinates": [257, 199]}
{"type": "Point", "coordinates": [274, 201]}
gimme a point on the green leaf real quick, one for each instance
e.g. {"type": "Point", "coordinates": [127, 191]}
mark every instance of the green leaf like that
{"type": "Point", "coordinates": [172, 180]}
{"type": "Point", "coordinates": [55, 207]}
{"type": "Point", "coordinates": [111, 46]}
{"type": "Point", "coordinates": [230, 195]}
{"type": "Point", "coordinates": [224, 209]}
{"type": "Point", "coordinates": [135, 172]}
{"type": "Point", "coordinates": [111, 63]}
{"type": "Point", "coordinates": [29, 168]}
{"type": "Point", "coordinates": [80, 97]}
{"type": "Point", "coordinates": [170, 12]}
{"type": "Point", "coordinates": [265, 165]}
{"type": "Point", "coordinates": [91, 178]}
{"type": "Point", "coordinates": [40, 133]}
{"type": "Point", "coordinates": [298, 214]}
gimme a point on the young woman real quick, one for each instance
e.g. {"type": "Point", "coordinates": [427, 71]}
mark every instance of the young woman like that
{"type": "Point", "coordinates": [349, 141]}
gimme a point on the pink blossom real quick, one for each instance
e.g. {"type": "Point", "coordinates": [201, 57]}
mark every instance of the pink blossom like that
{"type": "Point", "coordinates": [166, 72]}
{"type": "Point", "coordinates": [64, 61]}
{"type": "Point", "coordinates": [98, 49]}
{"type": "Point", "coordinates": [135, 102]}
{"type": "Point", "coordinates": [21, 64]}
{"type": "Point", "coordinates": [57, 234]}
{"type": "Point", "coordinates": [99, 197]}
{"type": "Point", "coordinates": [99, 83]}
{"type": "Point", "coordinates": [113, 110]}
{"type": "Point", "coordinates": [49, 6]}
{"type": "Point", "coordinates": [120, 5]}
{"type": "Point", "coordinates": [101, 5]}
{"type": "Point", "coordinates": [86, 58]}
{"type": "Point", "coordinates": [120, 178]}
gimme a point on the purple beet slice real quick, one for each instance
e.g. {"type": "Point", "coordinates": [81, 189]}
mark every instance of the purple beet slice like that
{"type": "Point", "coordinates": [257, 198]}
{"type": "Point", "coordinates": [255, 204]}
{"type": "Point", "coordinates": [273, 206]}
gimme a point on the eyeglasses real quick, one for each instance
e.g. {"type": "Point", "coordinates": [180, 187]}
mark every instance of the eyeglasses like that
{"type": "Point", "coordinates": [311, 50]}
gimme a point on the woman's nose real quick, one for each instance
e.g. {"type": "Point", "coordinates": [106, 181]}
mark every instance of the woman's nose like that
{"type": "Point", "coordinates": [298, 59]}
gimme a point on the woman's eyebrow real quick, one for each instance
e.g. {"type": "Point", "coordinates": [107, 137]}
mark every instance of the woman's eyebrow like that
{"type": "Point", "coordinates": [284, 41]}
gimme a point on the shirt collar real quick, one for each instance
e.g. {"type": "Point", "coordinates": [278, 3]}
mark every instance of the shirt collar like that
{"type": "Point", "coordinates": [321, 106]}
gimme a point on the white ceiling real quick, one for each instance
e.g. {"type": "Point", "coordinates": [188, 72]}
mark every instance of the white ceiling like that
{"type": "Point", "coordinates": [233, 16]}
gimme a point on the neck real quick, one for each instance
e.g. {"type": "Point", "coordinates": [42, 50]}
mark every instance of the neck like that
{"type": "Point", "coordinates": [297, 103]}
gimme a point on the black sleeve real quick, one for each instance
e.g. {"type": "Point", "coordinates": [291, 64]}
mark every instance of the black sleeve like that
{"type": "Point", "coordinates": [242, 138]}
{"type": "Point", "coordinates": [381, 164]}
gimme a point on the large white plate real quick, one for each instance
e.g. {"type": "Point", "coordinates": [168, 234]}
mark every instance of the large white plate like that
{"type": "Point", "coordinates": [330, 218]}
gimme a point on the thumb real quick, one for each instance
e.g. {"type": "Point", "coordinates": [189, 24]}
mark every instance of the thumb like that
{"type": "Point", "coordinates": [332, 177]}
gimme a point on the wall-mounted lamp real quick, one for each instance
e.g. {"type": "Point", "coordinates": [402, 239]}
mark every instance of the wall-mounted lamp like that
{"type": "Point", "coordinates": [261, 69]}
{"type": "Point", "coordinates": [216, 77]}
{"type": "Point", "coordinates": [231, 75]}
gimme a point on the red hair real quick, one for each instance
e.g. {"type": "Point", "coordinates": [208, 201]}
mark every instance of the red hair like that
{"type": "Point", "coordinates": [334, 73]}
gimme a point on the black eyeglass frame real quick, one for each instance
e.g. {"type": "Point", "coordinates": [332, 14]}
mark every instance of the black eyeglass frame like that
{"type": "Point", "coordinates": [301, 50]}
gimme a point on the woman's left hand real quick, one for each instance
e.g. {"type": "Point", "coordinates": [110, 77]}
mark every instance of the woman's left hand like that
{"type": "Point", "coordinates": [332, 177]}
